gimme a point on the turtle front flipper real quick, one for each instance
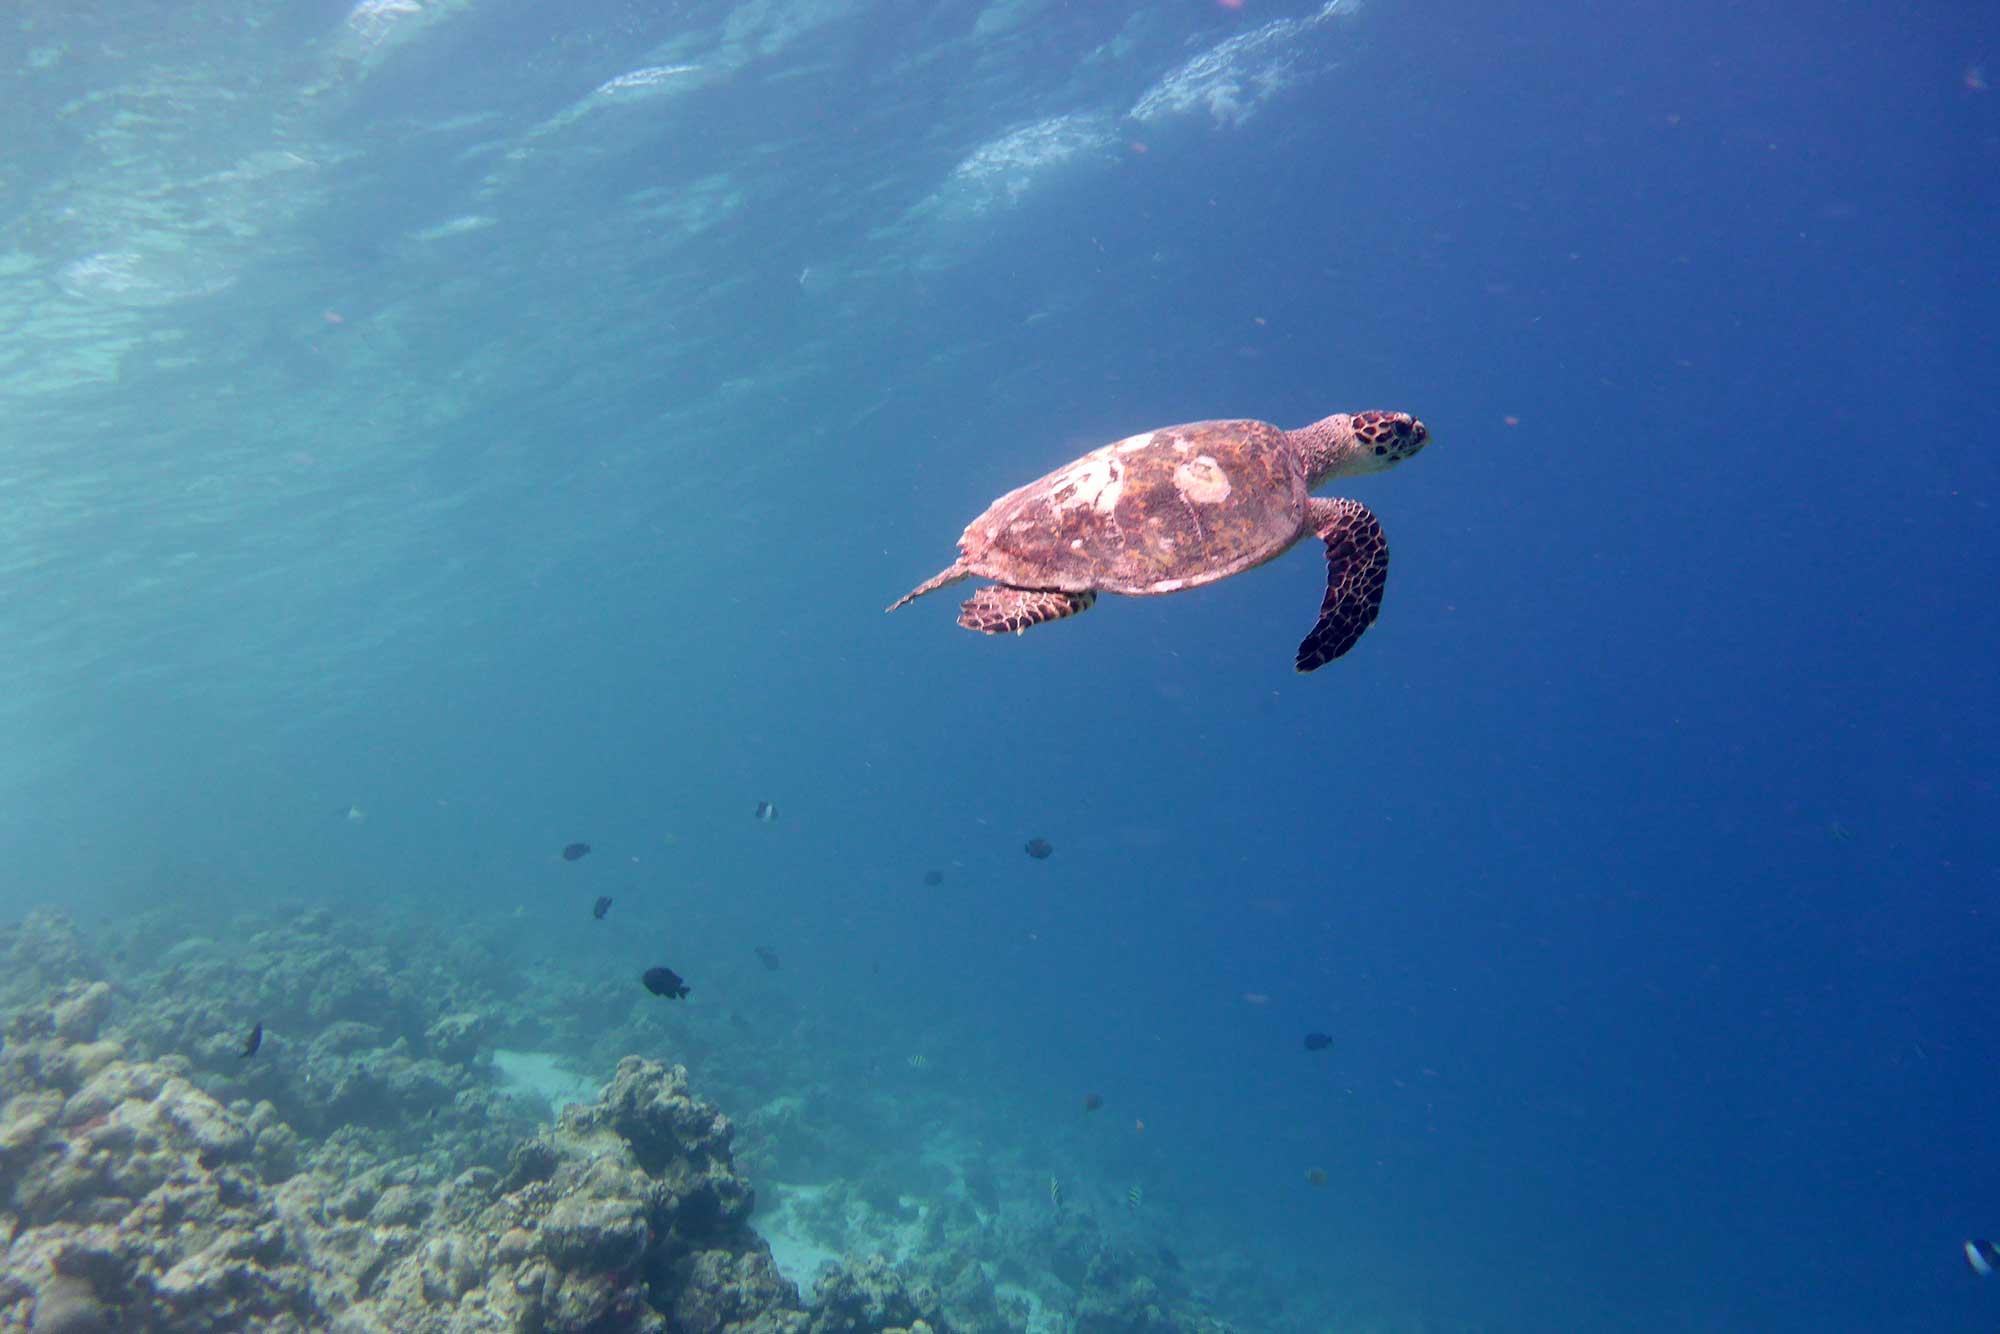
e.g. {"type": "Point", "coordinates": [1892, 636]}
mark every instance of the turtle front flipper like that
{"type": "Point", "coordinates": [997, 609]}
{"type": "Point", "coordinates": [1357, 566]}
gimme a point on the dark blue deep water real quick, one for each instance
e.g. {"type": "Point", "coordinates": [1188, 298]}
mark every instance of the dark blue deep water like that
{"type": "Point", "coordinates": [388, 420]}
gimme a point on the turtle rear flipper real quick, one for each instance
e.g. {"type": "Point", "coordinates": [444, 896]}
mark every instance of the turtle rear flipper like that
{"type": "Point", "coordinates": [1357, 566]}
{"type": "Point", "coordinates": [951, 574]}
{"type": "Point", "coordinates": [996, 610]}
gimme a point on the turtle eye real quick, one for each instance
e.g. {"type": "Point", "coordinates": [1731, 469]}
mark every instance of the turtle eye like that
{"type": "Point", "coordinates": [1403, 426]}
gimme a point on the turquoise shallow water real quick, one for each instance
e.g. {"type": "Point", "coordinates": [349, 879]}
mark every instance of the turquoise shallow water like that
{"type": "Point", "coordinates": [433, 432]}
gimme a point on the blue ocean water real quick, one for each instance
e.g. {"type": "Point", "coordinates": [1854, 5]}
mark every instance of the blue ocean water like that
{"type": "Point", "coordinates": [507, 422]}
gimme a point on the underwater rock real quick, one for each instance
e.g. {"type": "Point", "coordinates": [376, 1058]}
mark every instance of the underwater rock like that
{"type": "Point", "coordinates": [627, 1214]}
{"type": "Point", "coordinates": [456, 1038]}
{"type": "Point", "coordinates": [647, 1104]}
{"type": "Point", "coordinates": [132, 1200]}
{"type": "Point", "coordinates": [1117, 1299]}
{"type": "Point", "coordinates": [797, 1137]}
{"type": "Point", "coordinates": [274, 1146]}
{"type": "Point", "coordinates": [399, 1206]}
{"type": "Point", "coordinates": [78, 1017]}
{"type": "Point", "coordinates": [356, 1034]}
{"type": "Point", "coordinates": [969, 1299]}
{"type": "Point", "coordinates": [38, 955]}
{"type": "Point", "coordinates": [67, 1304]}
{"type": "Point", "coordinates": [131, 1197]}
{"type": "Point", "coordinates": [872, 1298]}
{"type": "Point", "coordinates": [717, 1292]}
{"type": "Point", "coordinates": [366, 1174]}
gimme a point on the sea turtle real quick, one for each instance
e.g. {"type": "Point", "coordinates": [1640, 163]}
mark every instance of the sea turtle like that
{"type": "Point", "coordinates": [1181, 507]}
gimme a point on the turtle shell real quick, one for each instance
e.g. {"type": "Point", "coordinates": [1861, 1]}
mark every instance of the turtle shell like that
{"type": "Point", "coordinates": [1153, 513]}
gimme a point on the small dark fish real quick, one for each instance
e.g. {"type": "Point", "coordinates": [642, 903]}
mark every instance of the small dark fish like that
{"type": "Point", "coordinates": [1092, 1101]}
{"type": "Point", "coordinates": [1315, 1176]}
{"type": "Point", "coordinates": [601, 907]}
{"type": "Point", "coordinates": [769, 956]}
{"type": "Point", "coordinates": [767, 811]}
{"type": "Point", "coordinates": [1318, 1042]}
{"type": "Point", "coordinates": [664, 982]}
{"type": "Point", "coordinates": [1038, 848]}
{"type": "Point", "coordinates": [254, 1041]}
{"type": "Point", "coordinates": [576, 852]}
{"type": "Point", "coordinates": [1983, 1256]}
{"type": "Point", "coordinates": [934, 878]}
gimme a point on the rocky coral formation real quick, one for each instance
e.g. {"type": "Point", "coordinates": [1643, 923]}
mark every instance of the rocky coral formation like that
{"type": "Point", "coordinates": [131, 1200]}
{"type": "Point", "coordinates": [1114, 1299]}
{"type": "Point", "coordinates": [38, 955]}
{"type": "Point", "coordinates": [872, 1296]}
{"type": "Point", "coordinates": [983, 1270]}
{"type": "Point", "coordinates": [363, 1046]}
{"type": "Point", "coordinates": [363, 1172]}
{"type": "Point", "coordinates": [625, 1215]}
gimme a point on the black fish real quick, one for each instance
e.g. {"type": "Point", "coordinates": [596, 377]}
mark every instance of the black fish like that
{"type": "Point", "coordinates": [576, 852]}
{"type": "Point", "coordinates": [1038, 848]}
{"type": "Point", "coordinates": [1983, 1256]}
{"type": "Point", "coordinates": [767, 811]}
{"type": "Point", "coordinates": [664, 982]}
{"type": "Point", "coordinates": [601, 907]}
{"type": "Point", "coordinates": [1092, 1101]}
{"type": "Point", "coordinates": [254, 1041]}
{"type": "Point", "coordinates": [769, 956]}
{"type": "Point", "coordinates": [1318, 1042]}
{"type": "Point", "coordinates": [934, 878]}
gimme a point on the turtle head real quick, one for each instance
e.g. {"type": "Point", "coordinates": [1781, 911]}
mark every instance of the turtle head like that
{"type": "Point", "coordinates": [1348, 444]}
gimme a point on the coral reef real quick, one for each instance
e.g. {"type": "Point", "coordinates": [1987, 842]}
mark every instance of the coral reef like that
{"type": "Point", "coordinates": [366, 1048]}
{"type": "Point", "coordinates": [130, 1199]}
{"type": "Point", "coordinates": [873, 1296]}
{"type": "Point", "coordinates": [365, 1173]}
{"type": "Point", "coordinates": [625, 1215]}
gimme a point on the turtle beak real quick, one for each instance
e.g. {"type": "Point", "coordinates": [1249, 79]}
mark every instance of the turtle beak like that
{"type": "Point", "coordinates": [1411, 436]}
{"type": "Point", "coordinates": [1419, 435]}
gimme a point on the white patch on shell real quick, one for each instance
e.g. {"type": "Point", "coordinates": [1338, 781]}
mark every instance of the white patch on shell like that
{"type": "Point", "coordinates": [1096, 480]}
{"type": "Point", "coordinates": [1132, 443]}
{"type": "Point", "coordinates": [1169, 585]}
{"type": "Point", "coordinates": [1202, 481]}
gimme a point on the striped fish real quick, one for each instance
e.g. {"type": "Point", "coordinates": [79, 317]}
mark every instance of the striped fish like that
{"type": "Point", "coordinates": [1055, 1193]}
{"type": "Point", "coordinates": [1134, 1197]}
